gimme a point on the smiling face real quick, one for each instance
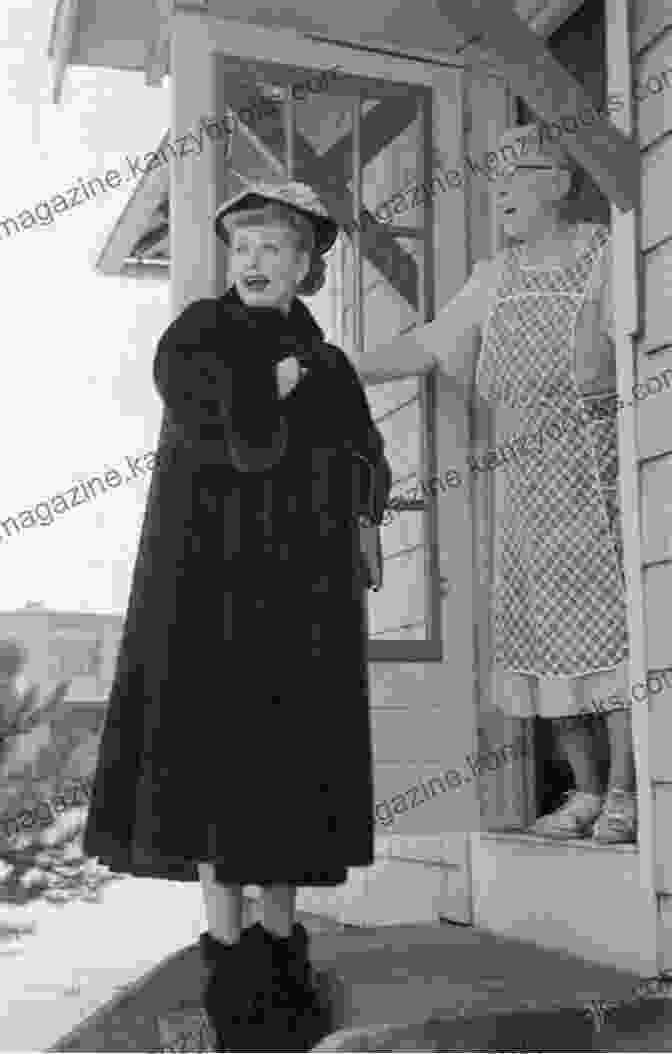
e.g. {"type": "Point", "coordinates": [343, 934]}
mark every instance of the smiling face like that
{"type": "Point", "coordinates": [265, 264]}
{"type": "Point", "coordinates": [532, 182]}
{"type": "Point", "coordinates": [529, 195]}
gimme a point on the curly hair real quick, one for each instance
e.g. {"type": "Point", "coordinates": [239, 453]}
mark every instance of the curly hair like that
{"type": "Point", "coordinates": [569, 208]}
{"type": "Point", "coordinates": [302, 230]}
{"type": "Point", "coordinates": [316, 277]}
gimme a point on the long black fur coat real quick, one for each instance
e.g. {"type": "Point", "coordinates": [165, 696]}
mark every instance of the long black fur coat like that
{"type": "Point", "coordinates": [238, 729]}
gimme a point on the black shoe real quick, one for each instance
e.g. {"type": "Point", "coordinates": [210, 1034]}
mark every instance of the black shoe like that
{"type": "Point", "coordinates": [261, 994]}
{"type": "Point", "coordinates": [308, 1018]}
{"type": "Point", "coordinates": [231, 992]}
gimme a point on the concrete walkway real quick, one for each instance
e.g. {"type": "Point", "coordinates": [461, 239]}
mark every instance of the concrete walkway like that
{"type": "Point", "coordinates": [83, 956]}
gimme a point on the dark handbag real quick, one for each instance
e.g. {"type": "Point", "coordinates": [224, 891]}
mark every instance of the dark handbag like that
{"type": "Point", "coordinates": [371, 551]}
{"type": "Point", "coordinates": [371, 499]}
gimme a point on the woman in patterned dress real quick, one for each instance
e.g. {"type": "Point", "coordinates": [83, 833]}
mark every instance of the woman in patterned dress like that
{"type": "Point", "coordinates": [547, 364]}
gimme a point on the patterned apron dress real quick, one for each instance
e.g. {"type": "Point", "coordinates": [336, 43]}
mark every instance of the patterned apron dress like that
{"type": "Point", "coordinates": [559, 612]}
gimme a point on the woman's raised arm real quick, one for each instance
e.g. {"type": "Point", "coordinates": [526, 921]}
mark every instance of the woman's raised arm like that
{"type": "Point", "coordinates": [437, 343]}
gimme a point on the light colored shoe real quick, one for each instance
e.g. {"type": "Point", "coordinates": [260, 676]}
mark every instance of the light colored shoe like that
{"type": "Point", "coordinates": [574, 819]}
{"type": "Point", "coordinates": [617, 823]}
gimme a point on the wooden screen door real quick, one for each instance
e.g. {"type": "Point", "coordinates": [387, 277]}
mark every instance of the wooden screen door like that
{"type": "Point", "coordinates": [346, 142]}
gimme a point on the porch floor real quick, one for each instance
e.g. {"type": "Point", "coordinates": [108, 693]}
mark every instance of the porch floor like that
{"type": "Point", "coordinates": [144, 930]}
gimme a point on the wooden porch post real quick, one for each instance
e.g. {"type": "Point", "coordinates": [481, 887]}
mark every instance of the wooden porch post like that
{"type": "Point", "coordinates": [192, 179]}
{"type": "Point", "coordinates": [626, 291]}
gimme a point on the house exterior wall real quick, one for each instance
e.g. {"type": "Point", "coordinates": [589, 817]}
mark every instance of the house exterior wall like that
{"type": "Point", "coordinates": [422, 713]}
{"type": "Point", "coordinates": [652, 56]}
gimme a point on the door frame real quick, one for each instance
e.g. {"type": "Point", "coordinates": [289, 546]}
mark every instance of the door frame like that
{"type": "Point", "coordinates": [627, 282]}
{"type": "Point", "coordinates": [193, 187]}
{"type": "Point", "coordinates": [627, 278]}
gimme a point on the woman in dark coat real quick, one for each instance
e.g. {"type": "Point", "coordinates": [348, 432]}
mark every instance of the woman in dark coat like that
{"type": "Point", "coordinates": [237, 744]}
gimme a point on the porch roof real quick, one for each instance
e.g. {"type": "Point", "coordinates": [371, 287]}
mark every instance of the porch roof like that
{"type": "Point", "coordinates": [128, 34]}
{"type": "Point", "coordinates": [134, 34]}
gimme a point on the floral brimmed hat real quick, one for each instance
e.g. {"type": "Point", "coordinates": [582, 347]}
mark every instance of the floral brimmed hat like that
{"type": "Point", "coordinates": [297, 196]}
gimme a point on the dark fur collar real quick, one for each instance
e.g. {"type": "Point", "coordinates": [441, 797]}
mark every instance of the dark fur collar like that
{"type": "Point", "coordinates": [299, 323]}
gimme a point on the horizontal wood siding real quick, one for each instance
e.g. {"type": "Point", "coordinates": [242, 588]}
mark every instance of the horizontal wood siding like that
{"type": "Point", "coordinates": [663, 825]}
{"type": "Point", "coordinates": [653, 412]}
{"type": "Point", "coordinates": [652, 42]}
{"type": "Point", "coordinates": [660, 708]}
{"type": "Point", "coordinates": [657, 274]}
{"type": "Point", "coordinates": [653, 86]}
{"type": "Point", "coordinates": [665, 932]}
{"type": "Point", "coordinates": [394, 727]}
{"type": "Point", "coordinates": [658, 598]}
{"type": "Point", "coordinates": [656, 479]}
{"type": "Point", "coordinates": [657, 165]}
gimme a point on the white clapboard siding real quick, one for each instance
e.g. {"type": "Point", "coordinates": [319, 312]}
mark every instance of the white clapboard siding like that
{"type": "Point", "coordinates": [652, 56]}
{"type": "Point", "coordinates": [657, 287]}
{"type": "Point", "coordinates": [663, 822]}
{"type": "Point", "coordinates": [653, 412]}
{"type": "Point", "coordinates": [652, 22]}
{"type": "Point", "coordinates": [656, 484]}
{"type": "Point", "coordinates": [665, 931]}
{"type": "Point", "coordinates": [660, 710]}
{"type": "Point", "coordinates": [657, 165]}
{"type": "Point", "coordinates": [653, 86]}
{"type": "Point", "coordinates": [657, 598]}
{"type": "Point", "coordinates": [394, 725]}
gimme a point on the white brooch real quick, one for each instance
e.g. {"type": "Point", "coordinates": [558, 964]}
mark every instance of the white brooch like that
{"type": "Point", "coordinates": [289, 373]}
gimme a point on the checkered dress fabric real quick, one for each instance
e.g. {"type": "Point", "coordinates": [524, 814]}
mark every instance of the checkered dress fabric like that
{"type": "Point", "coordinates": [559, 600]}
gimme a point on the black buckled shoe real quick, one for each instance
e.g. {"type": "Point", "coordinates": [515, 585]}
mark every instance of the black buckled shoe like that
{"type": "Point", "coordinates": [307, 1016]}
{"type": "Point", "coordinates": [239, 977]}
{"type": "Point", "coordinates": [262, 994]}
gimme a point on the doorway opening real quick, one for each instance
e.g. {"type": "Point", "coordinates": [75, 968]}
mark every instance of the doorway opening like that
{"type": "Point", "coordinates": [580, 45]}
{"type": "Point", "coordinates": [365, 146]}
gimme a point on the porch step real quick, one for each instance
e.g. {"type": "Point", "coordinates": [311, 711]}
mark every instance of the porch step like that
{"type": "Point", "coordinates": [573, 895]}
{"type": "Point", "coordinates": [414, 880]}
